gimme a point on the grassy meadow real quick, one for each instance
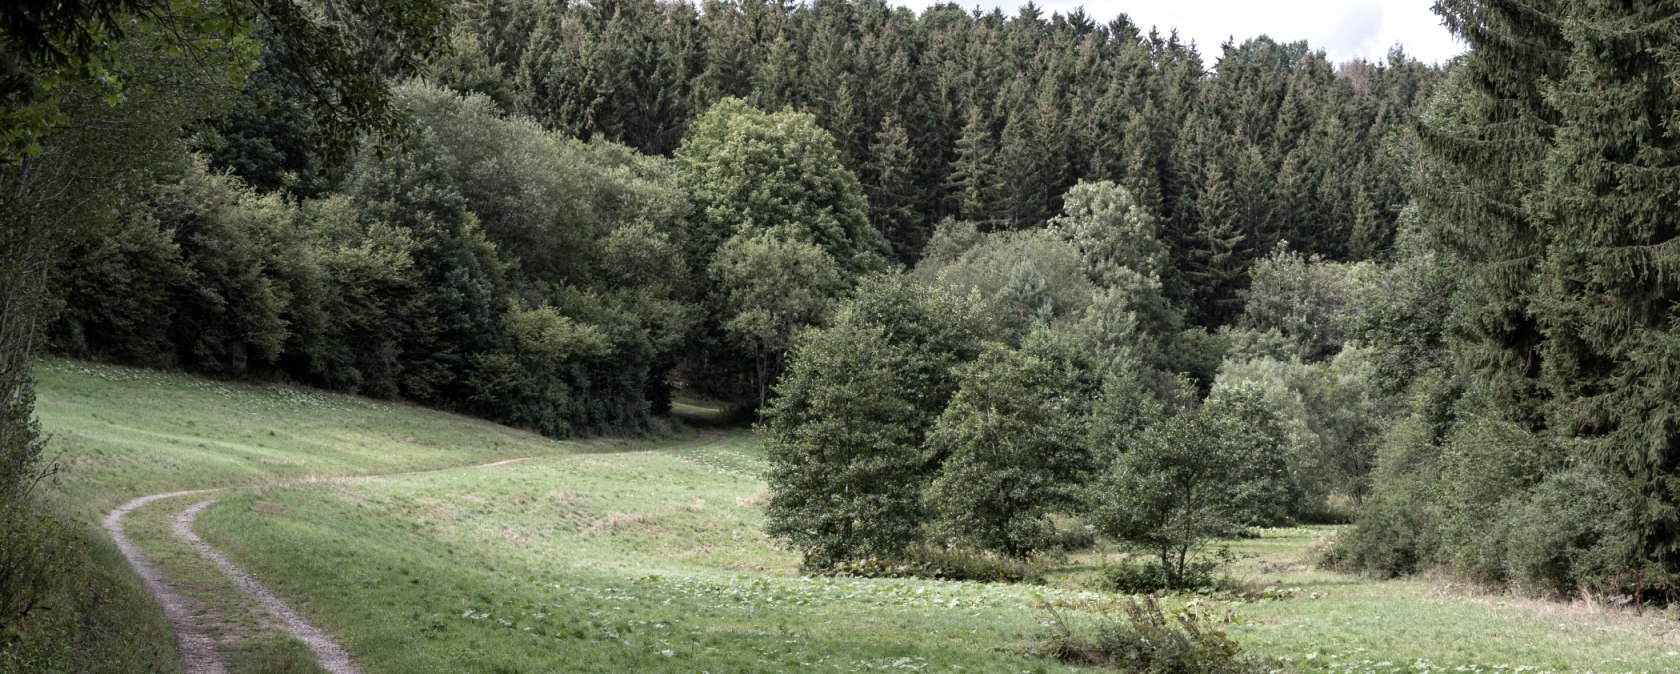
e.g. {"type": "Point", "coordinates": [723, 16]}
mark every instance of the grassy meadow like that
{"type": "Point", "coordinates": [381, 523]}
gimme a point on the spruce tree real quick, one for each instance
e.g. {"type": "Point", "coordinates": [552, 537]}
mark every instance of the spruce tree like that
{"type": "Point", "coordinates": [1212, 262]}
{"type": "Point", "coordinates": [1606, 291]}
{"type": "Point", "coordinates": [776, 81]}
{"type": "Point", "coordinates": [973, 184]}
{"type": "Point", "coordinates": [889, 181]}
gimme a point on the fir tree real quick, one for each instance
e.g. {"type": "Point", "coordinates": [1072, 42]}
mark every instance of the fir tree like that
{"type": "Point", "coordinates": [890, 185]}
{"type": "Point", "coordinates": [1212, 261]}
{"type": "Point", "coordinates": [973, 184]}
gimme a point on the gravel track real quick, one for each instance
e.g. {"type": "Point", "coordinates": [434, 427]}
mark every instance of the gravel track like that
{"type": "Point", "coordinates": [198, 650]}
{"type": "Point", "coordinates": [331, 656]}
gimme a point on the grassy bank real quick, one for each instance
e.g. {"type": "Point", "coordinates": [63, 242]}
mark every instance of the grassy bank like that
{"type": "Point", "coordinates": [118, 433]}
{"type": "Point", "coordinates": [617, 556]}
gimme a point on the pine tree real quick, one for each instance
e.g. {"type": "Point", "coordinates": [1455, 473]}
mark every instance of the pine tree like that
{"type": "Point", "coordinates": [1253, 182]}
{"type": "Point", "coordinates": [1607, 291]}
{"type": "Point", "coordinates": [1026, 298]}
{"type": "Point", "coordinates": [1553, 197]}
{"type": "Point", "coordinates": [1213, 258]}
{"type": "Point", "coordinates": [557, 77]}
{"type": "Point", "coordinates": [730, 52]}
{"type": "Point", "coordinates": [776, 81]}
{"type": "Point", "coordinates": [890, 184]}
{"type": "Point", "coordinates": [1020, 162]}
{"type": "Point", "coordinates": [974, 183]}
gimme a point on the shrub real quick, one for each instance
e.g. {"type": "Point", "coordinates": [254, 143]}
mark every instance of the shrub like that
{"type": "Point", "coordinates": [1143, 638]}
{"type": "Point", "coordinates": [1397, 532]}
{"type": "Point", "coordinates": [1398, 528]}
{"type": "Point", "coordinates": [938, 562]}
{"type": "Point", "coordinates": [1152, 577]}
{"type": "Point", "coordinates": [1572, 533]}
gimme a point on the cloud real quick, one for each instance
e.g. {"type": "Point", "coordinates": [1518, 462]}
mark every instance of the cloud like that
{"type": "Point", "coordinates": [1343, 29]}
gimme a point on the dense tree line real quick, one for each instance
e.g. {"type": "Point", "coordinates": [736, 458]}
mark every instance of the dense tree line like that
{"type": "Point", "coordinates": [1531, 315]}
{"type": "Point", "coordinates": [1017, 385]}
{"type": "Point", "coordinates": [989, 118]}
{"type": "Point", "coordinates": [488, 265]}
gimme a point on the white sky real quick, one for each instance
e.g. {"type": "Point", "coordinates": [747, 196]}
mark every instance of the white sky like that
{"type": "Point", "coordinates": [1344, 29]}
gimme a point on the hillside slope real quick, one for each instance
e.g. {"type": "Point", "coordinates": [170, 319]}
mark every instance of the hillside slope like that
{"type": "Point", "coordinates": [383, 525]}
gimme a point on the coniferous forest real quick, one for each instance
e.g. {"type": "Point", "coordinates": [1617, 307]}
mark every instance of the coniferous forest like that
{"type": "Point", "coordinates": [985, 285]}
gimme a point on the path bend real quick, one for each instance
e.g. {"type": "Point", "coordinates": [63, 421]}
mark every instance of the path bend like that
{"type": "Point", "coordinates": [199, 654]}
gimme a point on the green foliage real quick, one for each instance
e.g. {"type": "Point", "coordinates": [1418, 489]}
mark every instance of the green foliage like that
{"type": "Point", "coordinates": [774, 287]}
{"type": "Point", "coordinates": [236, 296]}
{"type": "Point", "coordinates": [989, 117]}
{"type": "Point", "coordinates": [464, 292]}
{"type": "Point", "coordinates": [889, 180]}
{"type": "Point", "coordinates": [1545, 222]}
{"type": "Point", "coordinates": [1311, 302]}
{"type": "Point", "coordinates": [1021, 278]}
{"type": "Point", "coordinates": [345, 56]}
{"type": "Point", "coordinates": [370, 294]}
{"type": "Point", "coordinates": [1151, 577]}
{"type": "Point", "coordinates": [1405, 319]}
{"type": "Point", "coordinates": [1142, 637]}
{"type": "Point", "coordinates": [529, 191]}
{"type": "Point", "coordinates": [1400, 524]}
{"type": "Point", "coordinates": [1011, 438]}
{"type": "Point", "coordinates": [31, 545]}
{"type": "Point", "coordinates": [1330, 413]}
{"type": "Point", "coordinates": [846, 464]}
{"type": "Point", "coordinates": [1186, 479]}
{"type": "Point", "coordinates": [755, 176]}
{"type": "Point", "coordinates": [750, 171]}
{"type": "Point", "coordinates": [396, 290]}
{"type": "Point", "coordinates": [845, 432]}
{"type": "Point", "coordinates": [1196, 353]}
{"type": "Point", "coordinates": [1129, 316]}
{"type": "Point", "coordinates": [1112, 232]}
{"type": "Point", "coordinates": [1575, 532]}
{"type": "Point", "coordinates": [941, 562]}
{"type": "Point", "coordinates": [118, 295]}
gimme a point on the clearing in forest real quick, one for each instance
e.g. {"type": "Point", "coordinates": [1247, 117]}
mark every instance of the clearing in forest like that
{"type": "Point", "coordinates": [614, 556]}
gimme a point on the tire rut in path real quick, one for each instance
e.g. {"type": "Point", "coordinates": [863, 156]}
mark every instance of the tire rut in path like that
{"type": "Point", "coordinates": [198, 650]}
{"type": "Point", "coordinates": [328, 653]}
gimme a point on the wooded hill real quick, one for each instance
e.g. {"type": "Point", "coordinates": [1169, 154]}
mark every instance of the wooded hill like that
{"type": "Point", "coordinates": [1439, 300]}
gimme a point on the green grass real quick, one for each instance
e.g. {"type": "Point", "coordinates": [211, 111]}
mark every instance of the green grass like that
{"type": "Point", "coordinates": [600, 562]}
{"type": "Point", "coordinates": [704, 413]}
{"type": "Point", "coordinates": [650, 556]}
{"type": "Point", "coordinates": [229, 616]}
{"type": "Point", "coordinates": [124, 432]}
{"type": "Point", "coordinates": [119, 433]}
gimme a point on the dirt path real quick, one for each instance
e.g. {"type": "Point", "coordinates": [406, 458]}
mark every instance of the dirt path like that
{"type": "Point", "coordinates": [328, 653]}
{"type": "Point", "coordinates": [198, 649]}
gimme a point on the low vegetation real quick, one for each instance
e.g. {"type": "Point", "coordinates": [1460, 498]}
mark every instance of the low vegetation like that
{"type": "Point", "coordinates": [603, 556]}
{"type": "Point", "coordinates": [1141, 637]}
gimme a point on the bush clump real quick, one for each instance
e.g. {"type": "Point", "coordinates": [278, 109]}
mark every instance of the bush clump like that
{"type": "Point", "coordinates": [1143, 638]}
{"type": "Point", "coordinates": [936, 562]}
{"type": "Point", "coordinates": [1151, 577]}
